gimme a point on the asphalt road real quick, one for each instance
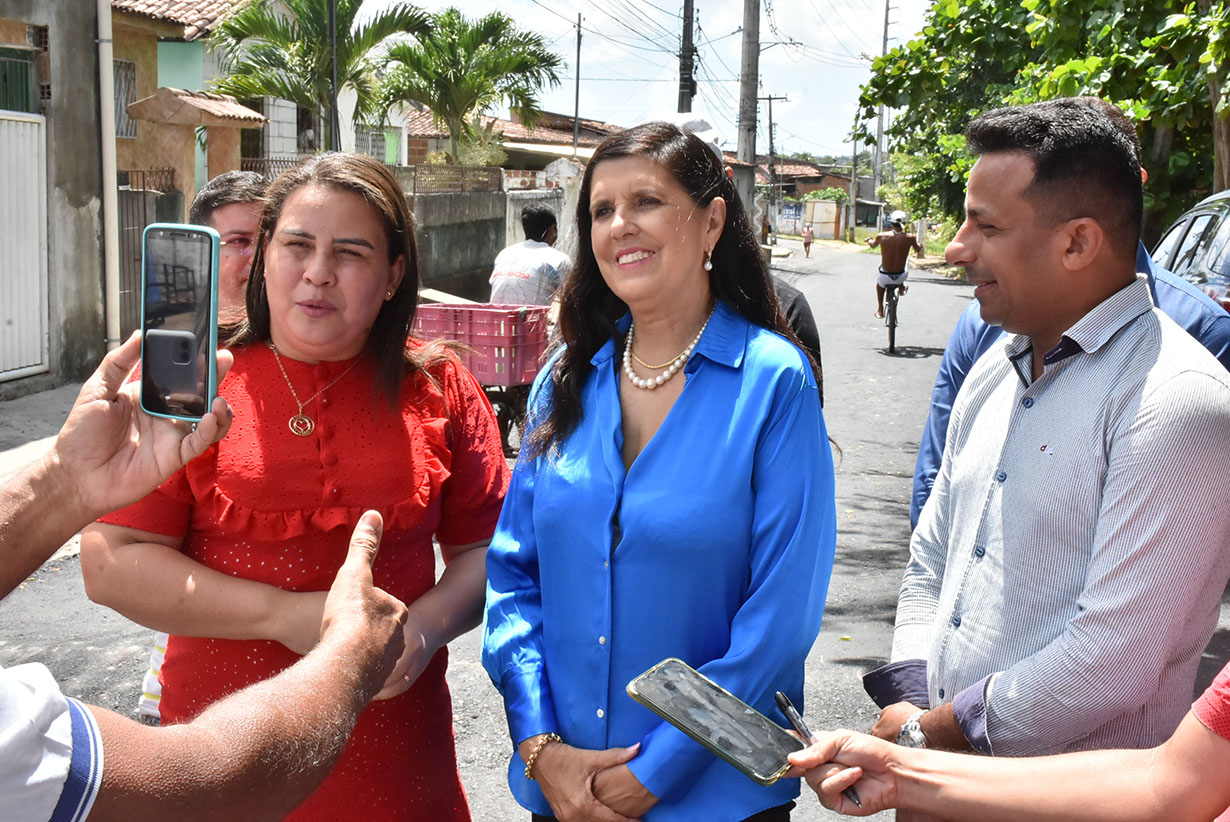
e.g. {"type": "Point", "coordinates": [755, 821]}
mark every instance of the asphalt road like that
{"type": "Point", "coordinates": [875, 407]}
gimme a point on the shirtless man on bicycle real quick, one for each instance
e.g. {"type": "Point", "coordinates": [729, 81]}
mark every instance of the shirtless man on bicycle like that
{"type": "Point", "coordinates": [894, 248]}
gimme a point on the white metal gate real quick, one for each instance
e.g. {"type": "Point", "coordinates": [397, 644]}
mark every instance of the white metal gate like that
{"type": "Point", "coordinates": [23, 245]}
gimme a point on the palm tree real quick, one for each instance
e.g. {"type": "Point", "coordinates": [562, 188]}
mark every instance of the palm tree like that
{"type": "Point", "coordinates": [268, 54]}
{"type": "Point", "coordinates": [460, 69]}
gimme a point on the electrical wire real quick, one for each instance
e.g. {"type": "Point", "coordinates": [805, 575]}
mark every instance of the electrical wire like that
{"type": "Point", "coordinates": [824, 22]}
{"type": "Point", "coordinates": [853, 28]}
{"type": "Point", "coordinates": [636, 14]}
{"type": "Point", "coordinates": [605, 9]}
{"type": "Point", "coordinates": [601, 35]}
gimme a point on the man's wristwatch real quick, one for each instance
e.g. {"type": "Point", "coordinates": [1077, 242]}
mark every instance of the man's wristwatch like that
{"type": "Point", "coordinates": [911, 735]}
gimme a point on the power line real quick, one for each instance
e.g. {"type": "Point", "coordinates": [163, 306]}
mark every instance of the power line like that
{"type": "Point", "coordinates": [827, 149]}
{"type": "Point", "coordinates": [601, 35]}
{"type": "Point", "coordinates": [854, 29]}
{"type": "Point", "coordinates": [636, 32]}
{"type": "Point", "coordinates": [824, 22]}
{"type": "Point", "coordinates": [801, 49]}
{"type": "Point", "coordinates": [637, 14]}
{"type": "Point", "coordinates": [716, 53]}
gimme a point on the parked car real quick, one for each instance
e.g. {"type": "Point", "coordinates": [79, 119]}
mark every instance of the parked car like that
{"type": "Point", "coordinates": [1197, 247]}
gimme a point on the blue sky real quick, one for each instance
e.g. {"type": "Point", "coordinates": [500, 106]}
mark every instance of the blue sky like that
{"type": "Point", "coordinates": [630, 68]}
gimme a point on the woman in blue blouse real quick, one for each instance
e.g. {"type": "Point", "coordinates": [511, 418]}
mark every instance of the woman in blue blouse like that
{"type": "Point", "coordinates": [674, 497]}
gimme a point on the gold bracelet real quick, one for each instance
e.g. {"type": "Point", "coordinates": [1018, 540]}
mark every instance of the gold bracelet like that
{"type": "Point", "coordinates": [538, 746]}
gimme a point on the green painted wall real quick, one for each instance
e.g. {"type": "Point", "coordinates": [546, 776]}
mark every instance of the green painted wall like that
{"type": "Point", "coordinates": [182, 65]}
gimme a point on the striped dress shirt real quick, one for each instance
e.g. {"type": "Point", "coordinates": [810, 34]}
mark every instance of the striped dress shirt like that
{"type": "Point", "coordinates": [1066, 573]}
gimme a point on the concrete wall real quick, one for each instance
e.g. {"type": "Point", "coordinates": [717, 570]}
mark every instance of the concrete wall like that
{"type": "Point", "coordinates": [281, 132]}
{"type": "Point", "coordinates": [458, 237]}
{"type": "Point", "coordinates": [517, 200]}
{"type": "Point", "coordinates": [74, 195]}
{"type": "Point", "coordinates": [136, 40]}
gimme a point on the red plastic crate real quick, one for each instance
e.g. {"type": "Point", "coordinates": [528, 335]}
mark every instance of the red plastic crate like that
{"type": "Point", "coordinates": [509, 341]}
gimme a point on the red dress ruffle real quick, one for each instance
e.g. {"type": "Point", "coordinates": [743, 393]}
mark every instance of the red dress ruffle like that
{"type": "Point", "coordinates": [267, 505]}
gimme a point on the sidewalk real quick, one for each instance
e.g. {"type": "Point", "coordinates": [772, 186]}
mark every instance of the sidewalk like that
{"type": "Point", "coordinates": [27, 427]}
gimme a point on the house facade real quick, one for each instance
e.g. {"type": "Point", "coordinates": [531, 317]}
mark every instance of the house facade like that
{"type": "Point", "coordinates": [51, 327]}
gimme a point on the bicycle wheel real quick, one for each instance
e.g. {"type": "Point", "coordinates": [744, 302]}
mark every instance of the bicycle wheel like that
{"type": "Point", "coordinates": [509, 407]}
{"type": "Point", "coordinates": [890, 318]}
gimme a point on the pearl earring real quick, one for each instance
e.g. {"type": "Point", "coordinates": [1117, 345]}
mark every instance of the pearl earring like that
{"type": "Point", "coordinates": [708, 266]}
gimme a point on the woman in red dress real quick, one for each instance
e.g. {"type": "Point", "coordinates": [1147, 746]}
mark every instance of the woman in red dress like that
{"type": "Point", "coordinates": [334, 414]}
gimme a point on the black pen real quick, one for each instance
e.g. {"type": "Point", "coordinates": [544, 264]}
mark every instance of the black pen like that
{"type": "Point", "coordinates": [796, 720]}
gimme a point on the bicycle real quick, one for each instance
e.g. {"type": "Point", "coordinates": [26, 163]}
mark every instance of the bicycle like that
{"type": "Point", "coordinates": [890, 315]}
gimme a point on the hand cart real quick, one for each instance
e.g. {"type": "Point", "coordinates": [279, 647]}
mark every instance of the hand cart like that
{"type": "Point", "coordinates": [504, 348]}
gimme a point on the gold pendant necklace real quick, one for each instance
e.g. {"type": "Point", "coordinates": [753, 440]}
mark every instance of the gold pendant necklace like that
{"type": "Point", "coordinates": [301, 425]}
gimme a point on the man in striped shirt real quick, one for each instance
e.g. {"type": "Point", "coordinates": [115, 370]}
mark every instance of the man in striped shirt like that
{"type": "Point", "coordinates": [1066, 572]}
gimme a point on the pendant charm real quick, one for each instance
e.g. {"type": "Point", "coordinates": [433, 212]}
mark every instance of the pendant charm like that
{"type": "Point", "coordinates": [301, 425]}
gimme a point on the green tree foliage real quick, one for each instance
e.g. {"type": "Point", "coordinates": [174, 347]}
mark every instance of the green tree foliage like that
{"type": "Point", "coordinates": [462, 68]}
{"type": "Point", "coordinates": [837, 195]}
{"type": "Point", "coordinates": [1163, 62]}
{"type": "Point", "coordinates": [267, 53]}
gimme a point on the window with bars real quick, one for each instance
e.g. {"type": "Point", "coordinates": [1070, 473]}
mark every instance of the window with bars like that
{"type": "Point", "coordinates": [377, 141]}
{"type": "Point", "coordinates": [18, 89]}
{"type": "Point", "coordinates": [125, 72]}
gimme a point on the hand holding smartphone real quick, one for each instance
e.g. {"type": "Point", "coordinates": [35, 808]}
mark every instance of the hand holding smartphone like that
{"type": "Point", "coordinates": [716, 718]}
{"type": "Point", "coordinates": [179, 320]}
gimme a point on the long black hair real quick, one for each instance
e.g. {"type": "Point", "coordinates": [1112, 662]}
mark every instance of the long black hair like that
{"type": "Point", "coordinates": [371, 180]}
{"type": "Point", "coordinates": [589, 309]}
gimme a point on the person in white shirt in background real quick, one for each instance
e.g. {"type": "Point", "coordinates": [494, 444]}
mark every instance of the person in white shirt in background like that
{"type": "Point", "coordinates": [529, 272]}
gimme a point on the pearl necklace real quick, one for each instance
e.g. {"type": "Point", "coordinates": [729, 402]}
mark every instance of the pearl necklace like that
{"type": "Point", "coordinates": [671, 367]}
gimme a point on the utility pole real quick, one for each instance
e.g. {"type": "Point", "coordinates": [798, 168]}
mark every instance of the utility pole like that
{"type": "Point", "coordinates": [879, 172]}
{"type": "Point", "coordinates": [687, 85]}
{"type": "Point", "coordinates": [748, 81]}
{"type": "Point", "coordinates": [576, 110]}
{"type": "Point", "coordinates": [335, 142]}
{"type": "Point", "coordinates": [773, 185]}
{"type": "Point", "coordinates": [853, 181]}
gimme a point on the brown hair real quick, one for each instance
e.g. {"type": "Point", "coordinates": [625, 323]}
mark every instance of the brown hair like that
{"type": "Point", "coordinates": [371, 180]}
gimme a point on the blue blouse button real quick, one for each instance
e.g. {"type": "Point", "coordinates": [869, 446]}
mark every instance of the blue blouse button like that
{"type": "Point", "coordinates": [941, 693]}
{"type": "Point", "coordinates": [979, 551]}
{"type": "Point", "coordinates": [1001, 476]}
{"type": "Point", "coordinates": [956, 620]}
{"type": "Point", "coordinates": [1028, 402]}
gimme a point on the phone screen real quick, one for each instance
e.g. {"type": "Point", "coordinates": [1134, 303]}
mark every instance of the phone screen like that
{"type": "Point", "coordinates": [179, 321]}
{"type": "Point", "coordinates": [715, 718]}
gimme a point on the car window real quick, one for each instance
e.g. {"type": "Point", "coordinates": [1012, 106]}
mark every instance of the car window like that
{"type": "Point", "coordinates": [1187, 249]}
{"type": "Point", "coordinates": [1219, 251]}
{"type": "Point", "coordinates": [1161, 252]}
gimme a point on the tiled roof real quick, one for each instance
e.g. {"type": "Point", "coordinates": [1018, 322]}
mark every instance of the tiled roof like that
{"type": "Point", "coordinates": [196, 16]}
{"type": "Point", "coordinates": [786, 169]}
{"type": "Point", "coordinates": [420, 124]}
{"type": "Point", "coordinates": [174, 105]}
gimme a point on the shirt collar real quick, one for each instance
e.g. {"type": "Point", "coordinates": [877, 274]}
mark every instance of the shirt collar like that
{"type": "Point", "coordinates": [724, 340]}
{"type": "Point", "coordinates": [1096, 328]}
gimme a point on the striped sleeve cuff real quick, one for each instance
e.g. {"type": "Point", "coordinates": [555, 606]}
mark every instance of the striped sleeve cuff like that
{"type": "Point", "coordinates": [84, 770]}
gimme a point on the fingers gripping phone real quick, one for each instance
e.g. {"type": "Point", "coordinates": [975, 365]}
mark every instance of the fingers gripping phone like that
{"type": "Point", "coordinates": [716, 718]}
{"type": "Point", "coordinates": [179, 320]}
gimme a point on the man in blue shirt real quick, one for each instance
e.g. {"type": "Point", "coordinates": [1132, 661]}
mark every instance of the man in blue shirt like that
{"type": "Point", "coordinates": [1192, 309]}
